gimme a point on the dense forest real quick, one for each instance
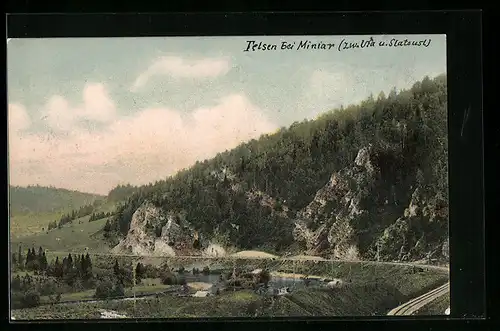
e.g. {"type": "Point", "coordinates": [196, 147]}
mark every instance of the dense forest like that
{"type": "Point", "coordinates": [406, 131]}
{"type": "Point", "coordinates": [40, 199]}
{"type": "Point", "coordinates": [121, 192]}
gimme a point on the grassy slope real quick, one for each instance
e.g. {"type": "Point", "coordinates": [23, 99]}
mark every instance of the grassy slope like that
{"type": "Point", "coordinates": [436, 307]}
{"type": "Point", "coordinates": [32, 208]}
{"type": "Point", "coordinates": [73, 237]}
{"type": "Point", "coordinates": [29, 224]}
{"type": "Point", "coordinates": [402, 278]}
{"type": "Point", "coordinates": [353, 300]}
{"type": "Point", "coordinates": [89, 294]}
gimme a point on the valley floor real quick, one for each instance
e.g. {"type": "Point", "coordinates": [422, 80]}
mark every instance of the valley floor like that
{"type": "Point", "coordinates": [369, 289]}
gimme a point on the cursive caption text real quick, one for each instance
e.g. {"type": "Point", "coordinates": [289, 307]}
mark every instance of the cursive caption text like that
{"type": "Point", "coordinates": [342, 45]}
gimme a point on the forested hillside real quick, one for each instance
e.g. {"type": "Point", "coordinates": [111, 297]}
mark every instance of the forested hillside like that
{"type": "Point", "coordinates": [40, 199]}
{"type": "Point", "coordinates": [371, 177]}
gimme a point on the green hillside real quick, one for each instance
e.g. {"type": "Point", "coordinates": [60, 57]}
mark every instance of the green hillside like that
{"type": "Point", "coordinates": [404, 202]}
{"type": "Point", "coordinates": [40, 199]}
{"type": "Point", "coordinates": [32, 208]}
{"type": "Point", "coordinates": [73, 237]}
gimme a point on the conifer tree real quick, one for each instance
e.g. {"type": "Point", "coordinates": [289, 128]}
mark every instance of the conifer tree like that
{"type": "Point", "coordinates": [70, 261]}
{"type": "Point", "coordinates": [43, 262]}
{"type": "Point", "coordinates": [20, 256]}
{"type": "Point", "coordinates": [28, 257]}
{"type": "Point", "coordinates": [116, 268]}
{"type": "Point", "coordinates": [88, 262]}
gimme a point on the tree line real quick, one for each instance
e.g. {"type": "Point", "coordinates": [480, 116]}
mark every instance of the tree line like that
{"type": "Point", "coordinates": [75, 214]}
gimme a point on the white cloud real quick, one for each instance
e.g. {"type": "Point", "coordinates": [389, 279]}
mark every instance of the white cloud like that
{"type": "Point", "coordinates": [18, 118]}
{"type": "Point", "coordinates": [178, 67]}
{"type": "Point", "coordinates": [137, 149]}
{"type": "Point", "coordinates": [97, 106]}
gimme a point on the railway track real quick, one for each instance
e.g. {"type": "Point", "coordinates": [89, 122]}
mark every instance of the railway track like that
{"type": "Point", "coordinates": [413, 305]}
{"type": "Point", "coordinates": [235, 257]}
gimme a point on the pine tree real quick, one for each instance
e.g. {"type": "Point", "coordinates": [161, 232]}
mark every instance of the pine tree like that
{"type": "Point", "coordinates": [116, 268]}
{"type": "Point", "coordinates": [28, 257]}
{"type": "Point", "coordinates": [58, 268]}
{"type": "Point", "coordinates": [70, 261]}
{"type": "Point", "coordinates": [64, 266]}
{"type": "Point", "coordinates": [107, 226]}
{"type": "Point", "coordinates": [88, 262]}
{"type": "Point", "coordinates": [139, 269]}
{"type": "Point", "coordinates": [81, 265]}
{"type": "Point", "coordinates": [14, 259]}
{"type": "Point", "coordinates": [20, 257]}
{"type": "Point", "coordinates": [43, 262]}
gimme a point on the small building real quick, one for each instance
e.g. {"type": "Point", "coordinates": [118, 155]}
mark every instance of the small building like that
{"type": "Point", "coordinates": [201, 294]}
{"type": "Point", "coordinates": [256, 271]}
{"type": "Point", "coordinates": [283, 291]}
{"type": "Point", "coordinates": [334, 283]}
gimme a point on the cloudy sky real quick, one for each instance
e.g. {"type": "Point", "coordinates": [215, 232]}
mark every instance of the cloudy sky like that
{"type": "Point", "coordinates": [88, 114]}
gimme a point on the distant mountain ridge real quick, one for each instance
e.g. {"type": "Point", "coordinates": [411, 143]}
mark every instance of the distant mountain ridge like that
{"type": "Point", "coordinates": [42, 199]}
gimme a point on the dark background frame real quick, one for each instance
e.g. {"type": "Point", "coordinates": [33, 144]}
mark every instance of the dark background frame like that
{"type": "Point", "coordinates": [465, 105]}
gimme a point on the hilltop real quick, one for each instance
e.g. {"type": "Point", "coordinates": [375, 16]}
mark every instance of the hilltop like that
{"type": "Point", "coordinates": [32, 208]}
{"type": "Point", "coordinates": [71, 227]}
{"type": "Point", "coordinates": [41, 199]}
{"type": "Point", "coordinates": [368, 181]}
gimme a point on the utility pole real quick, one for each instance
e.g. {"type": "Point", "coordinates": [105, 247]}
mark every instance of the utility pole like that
{"type": "Point", "coordinates": [234, 276]}
{"type": "Point", "coordinates": [133, 285]}
{"type": "Point", "coordinates": [294, 272]}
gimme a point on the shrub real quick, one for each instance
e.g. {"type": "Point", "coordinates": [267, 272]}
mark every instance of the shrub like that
{"type": "Point", "coordinates": [167, 278]}
{"type": "Point", "coordinates": [151, 271]}
{"type": "Point", "coordinates": [48, 287]}
{"type": "Point", "coordinates": [16, 300]}
{"type": "Point", "coordinates": [104, 290]}
{"type": "Point", "coordinates": [15, 283]}
{"type": "Point", "coordinates": [118, 291]}
{"type": "Point", "coordinates": [31, 299]}
{"type": "Point", "coordinates": [206, 271]}
{"type": "Point", "coordinates": [55, 298]}
{"type": "Point", "coordinates": [264, 277]}
{"type": "Point", "coordinates": [181, 280]}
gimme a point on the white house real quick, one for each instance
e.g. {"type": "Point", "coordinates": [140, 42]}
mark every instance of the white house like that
{"type": "Point", "coordinates": [201, 294]}
{"type": "Point", "coordinates": [334, 283]}
{"type": "Point", "coordinates": [257, 271]}
{"type": "Point", "coordinates": [283, 291]}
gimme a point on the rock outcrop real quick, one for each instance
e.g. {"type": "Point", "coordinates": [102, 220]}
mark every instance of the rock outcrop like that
{"type": "Point", "coordinates": [148, 236]}
{"type": "Point", "coordinates": [327, 221]}
{"type": "Point", "coordinates": [358, 213]}
{"type": "Point", "coordinates": [420, 232]}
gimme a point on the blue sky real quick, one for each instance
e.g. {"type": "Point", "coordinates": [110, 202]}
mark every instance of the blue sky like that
{"type": "Point", "coordinates": [89, 114]}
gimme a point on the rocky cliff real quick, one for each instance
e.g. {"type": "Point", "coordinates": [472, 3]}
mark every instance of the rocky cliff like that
{"type": "Point", "coordinates": [154, 232]}
{"type": "Point", "coordinates": [361, 214]}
